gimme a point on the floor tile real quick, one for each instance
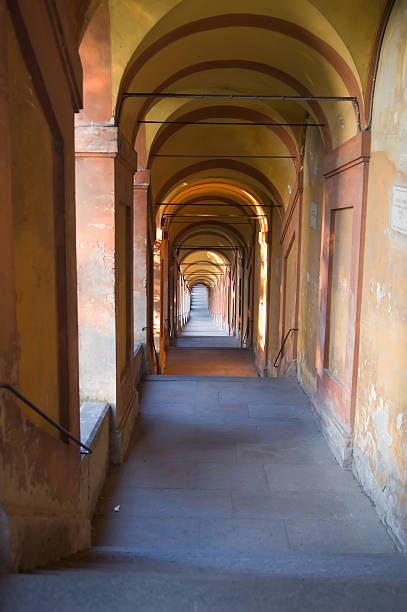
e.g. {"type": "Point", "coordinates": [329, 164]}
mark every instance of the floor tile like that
{"type": "Point", "coordinates": [289, 504]}
{"type": "Point", "coordinates": [339, 536]}
{"type": "Point", "coordinates": [233, 477]}
{"type": "Point", "coordinates": [160, 534]}
{"type": "Point", "coordinates": [296, 477]}
{"type": "Point", "coordinates": [246, 536]}
{"type": "Point", "coordinates": [158, 503]}
{"type": "Point", "coordinates": [222, 409]}
{"type": "Point", "coordinates": [153, 473]}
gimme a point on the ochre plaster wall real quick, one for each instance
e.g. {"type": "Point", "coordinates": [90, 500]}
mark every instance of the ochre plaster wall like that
{"type": "Point", "coordinates": [341, 242]}
{"type": "Point", "coordinates": [104, 181]}
{"type": "Point", "coordinates": [124, 266]}
{"type": "Point", "coordinates": [380, 450]}
{"type": "Point", "coordinates": [96, 244]}
{"type": "Point", "coordinates": [39, 474]}
{"type": "Point", "coordinates": [34, 241]}
{"type": "Point", "coordinates": [96, 62]}
{"type": "Point", "coordinates": [256, 298]}
{"type": "Point", "coordinates": [308, 320]}
{"type": "Point", "coordinates": [290, 289]}
{"type": "Point", "coordinates": [274, 292]}
{"type": "Point", "coordinates": [123, 287]}
{"type": "Point", "coordinates": [127, 396]}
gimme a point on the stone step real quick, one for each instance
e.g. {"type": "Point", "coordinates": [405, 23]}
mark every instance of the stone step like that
{"type": "Point", "coordinates": [272, 382]}
{"type": "Point", "coordinates": [115, 581]}
{"type": "Point", "coordinates": [367, 567]}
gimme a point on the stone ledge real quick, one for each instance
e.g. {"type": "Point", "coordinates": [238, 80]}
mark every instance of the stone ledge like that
{"type": "Point", "coordinates": [91, 417]}
{"type": "Point", "coordinates": [95, 432]}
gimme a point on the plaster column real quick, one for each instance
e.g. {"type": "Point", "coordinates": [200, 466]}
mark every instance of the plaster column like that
{"type": "Point", "coordinates": [164, 299]}
{"type": "Point", "coordinates": [105, 164]}
{"type": "Point", "coordinates": [140, 204]}
{"type": "Point", "coordinates": [156, 298]}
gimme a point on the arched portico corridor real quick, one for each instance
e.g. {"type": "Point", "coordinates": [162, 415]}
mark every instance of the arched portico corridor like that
{"type": "Point", "coordinates": [203, 263]}
{"type": "Point", "coordinates": [202, 348]}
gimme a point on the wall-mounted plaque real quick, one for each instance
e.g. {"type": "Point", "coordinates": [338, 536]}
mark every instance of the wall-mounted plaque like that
{"type": "Point", "coordinates": [399, 210]}
{"type": "Point", "coordinates": [313, 218]}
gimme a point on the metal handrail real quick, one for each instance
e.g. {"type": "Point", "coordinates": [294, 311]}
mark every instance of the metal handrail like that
{"type": "Point", "coordinates": [246, 334]}
{"type": "Point", "coordinates": [282, 346]}
{"type": "Point", "coordinates": [42, 414]}
{"type": "Point", "coordinates": [157, 362]}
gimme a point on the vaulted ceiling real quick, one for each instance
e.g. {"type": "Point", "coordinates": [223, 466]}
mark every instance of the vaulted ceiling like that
{"type": "Point", "coordinates": [306, 48]}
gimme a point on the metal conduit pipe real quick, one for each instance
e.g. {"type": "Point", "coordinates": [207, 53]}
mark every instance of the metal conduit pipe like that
{"type": "Point", "coordinates": [233, 123]}
{"type": "Point", "coordinates": [221, 155]}
{"type": "Point", "coordinates": [237, 205]}
{"type": "Point", "coordinates": [195, 96]}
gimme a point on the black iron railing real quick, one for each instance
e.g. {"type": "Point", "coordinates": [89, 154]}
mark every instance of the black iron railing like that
{"type": "Point", "coordinates": [157, 361]}
{"type": "Point", "coordinates": [42, 414]}
{"type": "Point", "coordinates": [282, 346]}
{"type": "Point", "coordinates": [246, 333]}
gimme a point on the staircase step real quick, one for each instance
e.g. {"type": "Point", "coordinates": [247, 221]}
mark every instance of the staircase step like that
{"type": "Point", "coordinates": [212, 379]}
{"type": "Point", "coordinates": [336, 566]}
{"type": "Point", "coordinates": [297, 584]}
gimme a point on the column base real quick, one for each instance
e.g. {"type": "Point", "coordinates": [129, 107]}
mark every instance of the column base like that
{"type": "Point", "coordinates": [338, 435]}
{"type": "Point", "coordinates": [120, 435]}
{"type": "Point", "coordinates": [384, 499]}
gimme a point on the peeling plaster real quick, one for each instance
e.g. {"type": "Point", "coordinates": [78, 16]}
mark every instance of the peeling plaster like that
{"type": "Point", "coordinates": [100, 226]}
{"type": "Point", "coordinates": [402, 422]}
{"type": "Point", "coordinates": [381, 294]}
{"type": "Point", "coordinates": [381, 421]}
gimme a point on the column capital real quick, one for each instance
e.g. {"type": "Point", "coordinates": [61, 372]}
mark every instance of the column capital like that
{"type": "Point", "coordinates": [141, 179]}
{"type": "Point", "coordinates": [104, 141]}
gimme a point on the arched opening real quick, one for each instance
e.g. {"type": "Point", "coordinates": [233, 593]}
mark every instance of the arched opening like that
{"type": "Point", "coordinates": [245, 163]}
{"type": "Point", "coordinates": [214, 229]}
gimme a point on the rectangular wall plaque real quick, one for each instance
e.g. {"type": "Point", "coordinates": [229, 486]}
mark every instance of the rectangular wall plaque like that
{"type": "Point", "coordinates": [313, 215]}
{"type": "Point", "coordinates": [399, 210]}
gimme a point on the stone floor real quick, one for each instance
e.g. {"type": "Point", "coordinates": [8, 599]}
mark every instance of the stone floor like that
{"type": "Point", "coordinates": [230, 501]}
{"type": "Point", "coordinates": [210, 361]}
{"type": "Point", "coordinates": [203, 349]}
{"type": "Point", "coordinates": [200, 322]}
{"type": "Point", "coordinates": [236, 465]}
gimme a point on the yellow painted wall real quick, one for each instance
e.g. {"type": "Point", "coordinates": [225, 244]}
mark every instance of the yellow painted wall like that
{"type": "Point", "coordinates": [308, 318]}
{"type": "Point", "coordinates": [341, 240]}
{"type": "Point", "coordinates": [256, 297]}
{"type": "Point", "coordinates": [123, 281]}
{"type": "Point", "coordinates": [290, 289]}
{"type": "Point", "coordinates": [380, 453]}
{"type": "Point", "coordinates": [34, 246]}
{"type": "Point", "coordinates": [274, 291]}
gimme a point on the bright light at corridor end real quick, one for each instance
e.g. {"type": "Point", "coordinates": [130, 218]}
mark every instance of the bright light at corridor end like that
{"type": "Point", "coordinates": [262, 319]}
{"type": "Point", "coordinates": [187, 191]}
